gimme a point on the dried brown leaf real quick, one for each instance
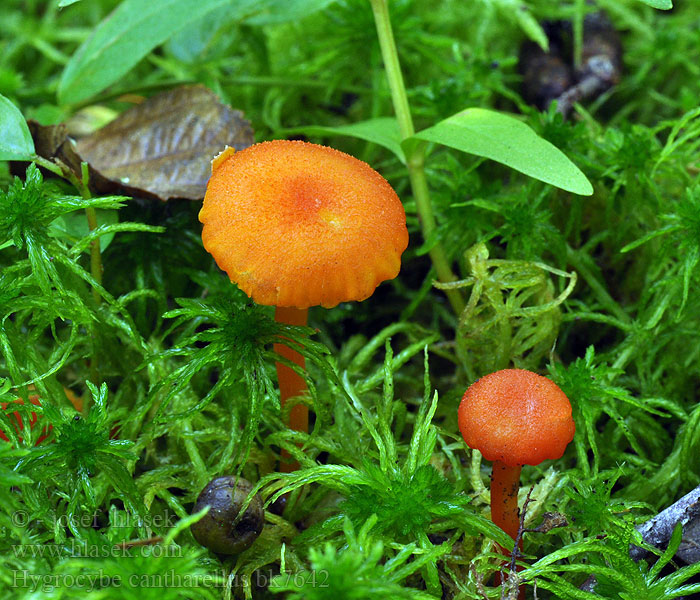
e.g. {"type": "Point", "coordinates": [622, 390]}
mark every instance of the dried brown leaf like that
{"type": "Point", "coordinates": [47, 138]}
{"type": "Point", "coordinates": [163, 148]}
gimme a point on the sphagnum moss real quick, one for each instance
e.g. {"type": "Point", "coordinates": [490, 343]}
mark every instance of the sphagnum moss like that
{"type": "Point", "coordinates": [385, 504]}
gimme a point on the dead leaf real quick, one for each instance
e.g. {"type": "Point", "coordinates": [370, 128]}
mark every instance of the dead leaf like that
{"type": "Point", "coordinates": [550, 520]}
{"type": "Point", "coordinates": [163, 148]}
{"type": "Point", "coordinates": [47, 138]}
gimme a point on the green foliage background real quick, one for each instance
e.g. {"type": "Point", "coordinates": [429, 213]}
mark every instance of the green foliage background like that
{"type": "Point", "coordinates": [174, 366]}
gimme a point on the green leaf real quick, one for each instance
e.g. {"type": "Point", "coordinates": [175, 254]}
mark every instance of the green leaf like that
{"type": "Point", "coordinates": [9, 477]}
{"type": "Point", "coordinates": [509, 141]}
{"type": "Point", "coordinates": [532, 28]}
{"type": "Point", "coordinates": [15, 140]}
{"type": "Point", "coordinates": [383, 131]}
{"type": "Point", "coordinates": [474, 524]}
{"type": "Point", "coordinates": [128, 34]}
{"type": "Point", "coordinates": [520, 12]}
{"type": "Point", "coordinates": [282, 11]}
{"type": "Point", "coordinates": [670, 551]}
{"type": "Point", "coordinates": [660, 4]}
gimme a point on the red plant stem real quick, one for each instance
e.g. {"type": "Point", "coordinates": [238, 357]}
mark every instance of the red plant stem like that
{"type": "Point", "coordinates": [290, 383]}
{"type": "Point", "coordinates": [505, 481]}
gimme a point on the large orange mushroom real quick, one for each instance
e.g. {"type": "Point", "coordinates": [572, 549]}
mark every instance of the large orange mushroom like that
{"type": "Point", "coordinates": [514, 417]}
{"type": "Point", "coordinates": [297, 225]}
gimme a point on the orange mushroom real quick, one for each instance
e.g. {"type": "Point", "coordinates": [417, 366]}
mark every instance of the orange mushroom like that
{"type": "Point", "coordinates": [297, 225]}
{"type": "Point", "coordinates": [514, 417]}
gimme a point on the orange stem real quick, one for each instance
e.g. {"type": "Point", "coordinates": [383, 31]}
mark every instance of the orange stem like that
{"type": "Point", "coordinates": [290, 383]}
{"type": "Point", "coordinates": [505, 481]}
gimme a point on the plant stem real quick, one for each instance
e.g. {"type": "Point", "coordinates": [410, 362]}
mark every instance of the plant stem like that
{"type": "Point", "coordinates": [578, 33]}
{"type": "Point", "coordinates": [49, 166]}
{"type": "Point", "coordinates": [82, 185]}
{"type": "Point", "coordinates": [393, 68]}
{"type": "Point", "coordinates": [95, 259]}
{"type": "Point", "coordinates": [415, 158]}
{"type": "Point", "coordinates": [200, 469]}
{"type": "Point", "coordinates": [291, 384]}
{"type": "Point", "coordinates": [91, 214]}
{"type": "Point", "coordinates": [605, 299]}
{"type": "Point", "coordinates": [625, 356]}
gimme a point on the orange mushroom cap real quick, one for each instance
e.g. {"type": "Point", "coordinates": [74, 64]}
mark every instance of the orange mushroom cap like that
{"type": "Point", "coordinates": [297, 224]}
{"type": "Point", "coordinates": [516, 417]}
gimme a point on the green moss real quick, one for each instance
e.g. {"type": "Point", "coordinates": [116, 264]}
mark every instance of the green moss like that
{"type": "Point", "coordinates": [175, 368]}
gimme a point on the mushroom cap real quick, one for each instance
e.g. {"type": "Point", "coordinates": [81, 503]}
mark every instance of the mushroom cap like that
{"type": "Point", "coordinates": [297, 224]}
{"type": "Point", "coordinates": [516, 417]}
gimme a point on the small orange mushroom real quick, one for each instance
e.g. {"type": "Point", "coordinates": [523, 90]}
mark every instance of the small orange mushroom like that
{"type": "Point", "coordinates": [297, 225]}
{"type": "Point", "coordinates": [514, 417]}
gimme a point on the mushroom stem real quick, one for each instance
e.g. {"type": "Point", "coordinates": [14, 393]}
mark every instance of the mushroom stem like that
{"type": "Point", "coordinates": [291, 384]}
{"type": "Point", "coordinates": [505, 481]}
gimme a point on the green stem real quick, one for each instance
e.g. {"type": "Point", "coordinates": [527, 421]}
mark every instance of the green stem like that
{"type": "Point", "coordinates": [95, 256]}
{"type": "Point", "coordinates": [415, 159]}
{"type": "Point", "coordinates": [95, 259]}
{"type": "Point", "coordinates": [605, 299]}
{"type": "Point", "coordinates": [82, 185]}
{"type": "Point", "coordinates": [624, 357]}
{"type": "Point", "coordinates": [91, 214]}
{"type": "Point", "coordinates": [393, 69]}
{"type": "Point", "coordinates": [200, 469]}
{"type": "Point", "coordinates": [578, 34]}
{"type": "Point", "coordinates": [49, 166]}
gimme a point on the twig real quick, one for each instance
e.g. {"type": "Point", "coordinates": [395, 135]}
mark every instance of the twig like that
{"type": "Point", "coordinates": [478, 582]}
{"type": "Point", "coordinates": [521, 529]}
{"type": "Point", "coordinates": [657, 530]}
{"type": "Point", "coordinates": [601, 74]}
{"type": "Point", "coordinates": [135, 543]}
